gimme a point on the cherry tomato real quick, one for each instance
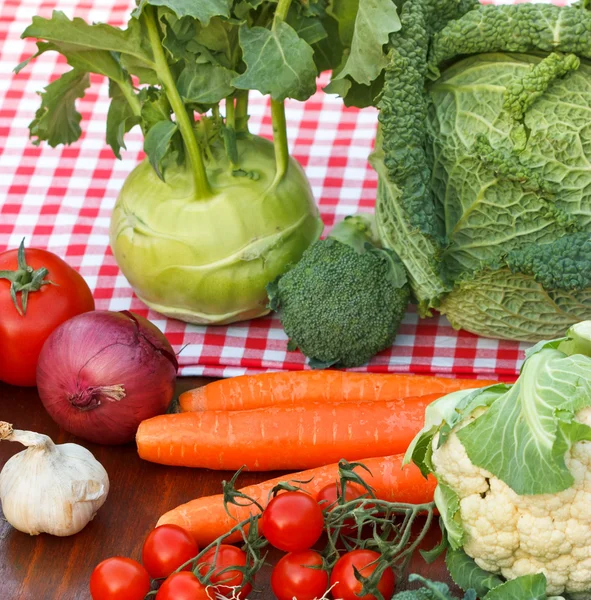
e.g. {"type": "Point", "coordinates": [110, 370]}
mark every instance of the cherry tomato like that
{"type": "Point", "coordinates": [22, 335]}
{"type": "Point", "coordinates": [329, 495]}
{"type": "Point", "coordinates": [227, 556]}
{"type": "Point", "coordinates": [166, 549]}
{"type": "Point", "coordinates": [346, 586]}
{"type": "Point", "coordinates": [292, 521]}
{"type": "Point", "coordinates": [119, 578]}
{"type": "Point", "coordinates": [293, 576]}
{"type": "Point", "coordinates": [183, 586]}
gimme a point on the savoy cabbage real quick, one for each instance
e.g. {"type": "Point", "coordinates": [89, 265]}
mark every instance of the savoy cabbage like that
{"type": "Point", "coordinates": [484, 162]}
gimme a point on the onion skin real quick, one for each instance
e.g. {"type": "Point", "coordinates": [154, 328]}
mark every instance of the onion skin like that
{"type": "Point", "coordinates": [101, 373]}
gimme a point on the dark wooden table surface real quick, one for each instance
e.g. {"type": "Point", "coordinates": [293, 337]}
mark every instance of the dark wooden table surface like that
{"type": "Point", "coordinates": [51, 568]}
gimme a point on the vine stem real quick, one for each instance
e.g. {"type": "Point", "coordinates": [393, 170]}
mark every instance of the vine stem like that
{"type": "Point", "coordinates": [279, 139]}
{"type": "Point", "coordinates": [202, 187]}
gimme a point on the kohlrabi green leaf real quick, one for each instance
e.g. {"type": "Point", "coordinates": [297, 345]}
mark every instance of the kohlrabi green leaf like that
{"type": "Point", "coordinates": [374, 22]}
{"type": "Point", "coordinates": [205, 83]}
{"type": "Point", "coordinates": [344, 12]}
{"type": "Point", "coordinates": [101, 62]}
{"type": "Point", "coordinates": [57, 121]}
{"type": "Point", "coordinates": [155, 107]}
{"type": "Point", "coordinates": [468, 575]}
{"type": "Point", "coordinates": [279, 63]}
{"type": "Point", "coordinates": [527, 587]}
{"type": "Point", "coordinates": [532, 425]}
{"type": "Point", "coordinates": [243, 8]}
{"type": "Point", "coordinates": [120, 119]}
{"type": "Point", "coordinates": [157, 143]}
{"type": "Point", "coordinates": [310, 29]}
{"type": "Point", "coordinates": [203, 10]}
{"type": "Point", "coordinates": [77, 34]}
{"type": "Point", "coordinates": [448, 504]}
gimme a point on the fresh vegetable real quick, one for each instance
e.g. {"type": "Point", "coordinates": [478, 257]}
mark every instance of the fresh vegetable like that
{"type": "Point", "coordinates": [48, 488]}
{"type": "Point", "coordinates": [38, 292]}
{"type": "Point", "coordinates": [294, 388]}
{"type": "Point", "coordinates": [345, 299]}
{"type": "Point", "coordinates": [513, 465]}
{"type": "Point", "coordinates": [431, 590]}
{"type": "Point", "coordinates": [292, 521]}
{"type": "Point", "coordinates": [184, 586]}
{"type": "Point", "coordinates": [167, 548]}
{"type": "Point", "coordinates": [101, 373]}
{"type": "Point", "coordinates": [218, 563]}
{"type": "Point", "coordinates": [214, 213]}
{"type": "Point", "coordinates": [268, 439]}
{"type": "Point", "coordinates": [299, 575]}
{"type": "Point", "coordinates": [206, 518]}
{"type": "Point", "coordinates": [332, 495]}
{"type": "Point", "coordinates": [119, 578]}
{"type": "Point", "coordinates": [481, 155]}
{"type": "Point", "coordinates": [345, 583]}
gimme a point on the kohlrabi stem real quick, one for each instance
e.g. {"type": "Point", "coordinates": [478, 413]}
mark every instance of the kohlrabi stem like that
{"type": "Point", "coordinates": [279, 139]}
{"type": "Point", "coordinates": [242, 110]}
{"type": "Point", "coordinates": [230, 113]}
{"type": "Point", "coordinates": [281, 11]}
{"type": "Point", "coordinates": [202, 187]}
{"type": "Point", "coordinates": [278, 110]}
{"type": "Point", "coordinates": [131, 97]}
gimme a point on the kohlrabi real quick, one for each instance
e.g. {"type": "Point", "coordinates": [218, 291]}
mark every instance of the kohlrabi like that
{"type": "Point", "coordinates": [214, 213]}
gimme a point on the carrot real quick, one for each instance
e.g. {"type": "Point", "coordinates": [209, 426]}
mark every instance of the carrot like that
{"type": "Point", "coordinates": [283, 438]}
{"type": "Point", "coordinates": [300, 387]}
{"type": "Point", "coordinates": [207, 519]}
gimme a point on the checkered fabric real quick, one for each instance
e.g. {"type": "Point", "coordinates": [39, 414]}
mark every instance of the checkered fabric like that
{"type": "Point", "coordinates": [61, 199]}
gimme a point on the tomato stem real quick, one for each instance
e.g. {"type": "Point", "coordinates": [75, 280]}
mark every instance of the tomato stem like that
{"type": "Point", "coordinates": [24, 280]}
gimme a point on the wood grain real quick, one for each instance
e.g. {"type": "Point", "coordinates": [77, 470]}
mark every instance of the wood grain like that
{"type": "Point", "coordinates": [50, 568]}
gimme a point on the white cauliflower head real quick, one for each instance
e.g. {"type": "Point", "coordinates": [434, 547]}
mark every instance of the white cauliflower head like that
{"type": "Point", "coordinates": [516, 535]}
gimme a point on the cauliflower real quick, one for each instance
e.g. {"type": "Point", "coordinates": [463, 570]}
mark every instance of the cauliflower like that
{"type": "Point", "coordinates": [517, 535]}
{"type": "Point", "coordinates": [513, 465]}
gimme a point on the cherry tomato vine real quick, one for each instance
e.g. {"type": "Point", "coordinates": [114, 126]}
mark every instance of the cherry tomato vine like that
{"type": "Point", "coordinates": [369, 543]}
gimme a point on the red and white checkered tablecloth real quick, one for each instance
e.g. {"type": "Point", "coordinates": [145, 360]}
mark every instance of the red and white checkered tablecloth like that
{"type": "Point", "coordinates": [61, 199]}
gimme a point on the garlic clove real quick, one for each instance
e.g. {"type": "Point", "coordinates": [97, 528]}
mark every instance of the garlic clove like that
{"type": "Point", "coordinates": [48, 488]}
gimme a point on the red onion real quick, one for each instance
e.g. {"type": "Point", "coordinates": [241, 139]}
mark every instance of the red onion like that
{"type": "Point", "coordinates": [101, 373]}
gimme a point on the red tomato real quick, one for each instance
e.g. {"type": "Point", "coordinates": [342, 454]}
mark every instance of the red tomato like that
{"type": "Point", "coordinates": [293, 578]}
{"type": "Point", "coordinates": [183, 586]}
{"type": "Point", "coordinates": [292, 521]}
{"type": "Point", "coordinates": [328, 496]}
{"type": "Point", "coordinates": [346, 586]}
{"type": "Point", "coordinates": [22, 336]}
{"type": "Point", "coordinates": [119, 578]}
{"type": "Point", "coordinates": [227, 556]}
{"type": "Point", "coordinates": [166, 549]}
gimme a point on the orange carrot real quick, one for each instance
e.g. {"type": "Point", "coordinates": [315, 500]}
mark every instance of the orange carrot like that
{"type": "Point", "coordinates": [207, 519]}
{"type": "Point", "coordinates": [283, 438]}
{"type": "Point", "coordinates": [301, 387]}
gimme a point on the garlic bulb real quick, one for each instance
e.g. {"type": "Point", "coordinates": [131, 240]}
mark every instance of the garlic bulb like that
{"type": "Point", "coordinates": [50, 488]}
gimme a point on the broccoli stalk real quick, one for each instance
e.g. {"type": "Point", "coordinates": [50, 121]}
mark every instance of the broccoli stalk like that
{"type": "Point", "coordinates": [344, 301]}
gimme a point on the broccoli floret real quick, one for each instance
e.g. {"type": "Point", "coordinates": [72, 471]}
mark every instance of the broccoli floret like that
{"type": "Point", "coordinates": [344, 301]}
{"type": "Point", "coordinates": [562, 265]}
{"type": "Point", "coordinates": [431, 590]}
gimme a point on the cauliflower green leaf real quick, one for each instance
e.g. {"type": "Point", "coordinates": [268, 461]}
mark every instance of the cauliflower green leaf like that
{"type": "Point", "coordinates": [533, 424]}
